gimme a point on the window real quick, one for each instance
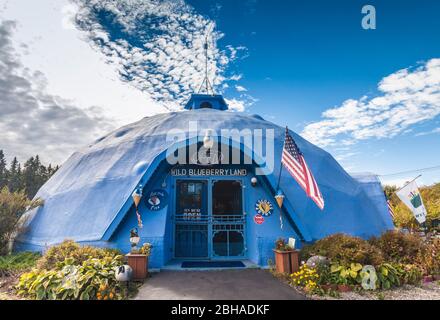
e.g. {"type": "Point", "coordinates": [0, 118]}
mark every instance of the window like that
{"type": "Point", "coordinates": [205, 105]}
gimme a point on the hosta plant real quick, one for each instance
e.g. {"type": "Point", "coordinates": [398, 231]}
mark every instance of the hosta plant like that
{"type": "Point", "coordinates": [93, 279]}
{"type": "Point", "coordinates": [347, 275]}
{"type": "Point", "coordinates": [389, 275]}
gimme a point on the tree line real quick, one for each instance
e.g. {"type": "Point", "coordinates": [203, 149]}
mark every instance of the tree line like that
{"type": "Point", "coordinates": [28, 178]}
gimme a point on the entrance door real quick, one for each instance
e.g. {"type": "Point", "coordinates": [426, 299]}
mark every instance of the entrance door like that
{"type": "Point", "coordinates": [228, 234]}
{"type": "Point", "coordinates": [209, 220]}
{"type": "Point", "coordinates": [191, 234]}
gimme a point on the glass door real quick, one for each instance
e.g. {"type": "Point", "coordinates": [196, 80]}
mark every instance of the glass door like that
{"type": "Point", "coordinates": [228, 220]}
{"type": "Point", "coordinates": [191, 222]}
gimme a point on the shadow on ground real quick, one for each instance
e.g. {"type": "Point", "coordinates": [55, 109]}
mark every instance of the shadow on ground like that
{"type": "Point", "coordinates": [216, 285]}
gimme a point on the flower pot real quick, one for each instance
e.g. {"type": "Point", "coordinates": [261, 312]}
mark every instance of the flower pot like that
{"type": "Point", "coordinates": [139, 264]}
{"type": "Point", "coordinates": [344, 288]}
{"type": "Point", "coordinates": [286, 261]}
{"type": "Point", "coordinates": [328, 287]}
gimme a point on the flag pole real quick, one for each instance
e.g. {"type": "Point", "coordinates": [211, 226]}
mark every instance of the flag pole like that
{"type": "Point", "coordinates": [281, 162]}
{"type": "Point", "coordinates": [279, 196]}
{"type": "Point", "coordinates": [408, 183]}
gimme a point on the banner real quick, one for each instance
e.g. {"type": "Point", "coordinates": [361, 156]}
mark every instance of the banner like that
{"type": "Point", "coordinates": [411, 197]}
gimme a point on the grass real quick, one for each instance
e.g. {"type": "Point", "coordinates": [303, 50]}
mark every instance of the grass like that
{"type": "Point", "coordinates": [16, 263]}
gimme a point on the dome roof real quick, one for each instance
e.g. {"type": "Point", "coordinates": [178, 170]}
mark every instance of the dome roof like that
{"type": "Point", "coordinates": [88, 197]}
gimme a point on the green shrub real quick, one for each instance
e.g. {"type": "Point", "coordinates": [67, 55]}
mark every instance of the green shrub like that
{"type": "Point", "coordinates": [399, 247]}
{"type": "Point", "coordinates": [429, 257]}
{"type": "Point", "coordinates": [347, 275]}
{"type": "Point", "coordinates": [19, 262]}
{"type": "Point", "coordinates": [413, 274]}
{"type": "Point", "coordinates": [12, 207]}
{"type": "Point", "coordinates": [344, 249]}
{"type": "Point", "coordinates": [69, 249]}
{"type": "Point", "coordinates": [72, 272]}
{"type": "Point", "coordinates": [93, 279]}
{"type": "Point", "coordinates": [389, 275]}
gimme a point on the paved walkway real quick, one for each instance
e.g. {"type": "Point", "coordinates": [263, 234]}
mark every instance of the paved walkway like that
{"type": "Point", "coordinates": [216, 285]}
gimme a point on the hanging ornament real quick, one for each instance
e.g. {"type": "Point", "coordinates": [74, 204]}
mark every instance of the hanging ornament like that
{"type": "Point", "coordinates": [280, 198]}
{"type": "Point", "coordinates": [137, 196]}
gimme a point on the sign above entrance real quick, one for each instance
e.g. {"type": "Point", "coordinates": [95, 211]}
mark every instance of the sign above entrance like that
{"type": "Point", "coordinates": [156, 200]}
{"type": "Point", "coordinates": [209, 172]}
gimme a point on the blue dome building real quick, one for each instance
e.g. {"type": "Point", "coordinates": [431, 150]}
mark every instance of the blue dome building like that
{"type": "Point", "coordinates": [198, 207]}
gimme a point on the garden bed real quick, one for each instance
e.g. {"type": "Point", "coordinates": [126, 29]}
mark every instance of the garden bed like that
{"type": "Point", "coordinates": [395, 266]}
{"type": "Point", "coordinates": [426, 291]}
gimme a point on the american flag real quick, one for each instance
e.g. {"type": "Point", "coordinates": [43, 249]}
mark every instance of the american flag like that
{"type": "Point", "coordinates": [295, 163]}
{"type": "Point", "coordinates": [390, 209]}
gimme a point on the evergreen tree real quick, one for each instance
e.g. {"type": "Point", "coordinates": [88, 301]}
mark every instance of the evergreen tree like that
{"type": "Point", "coordinates": [3, 171]}
{"type": "Point", "coordinates": [30, 179]}
{"type": "Point", "coordinates": [30, 171]}
{"type": "Point", "coordinates": [14, 182]}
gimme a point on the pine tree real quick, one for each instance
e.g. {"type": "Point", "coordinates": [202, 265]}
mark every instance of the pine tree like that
{"type": "Point", "coordinates": [14, 182]}
{"type": "Point", "coordinates": [30, 179]}
{"type": "Point", "coordinates": [30, 170]}
{"type": "Point", "coordinates": [3, 171]}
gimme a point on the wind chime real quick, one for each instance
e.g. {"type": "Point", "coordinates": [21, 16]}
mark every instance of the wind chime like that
{"type": "Point", "coordinates": [137, 196]}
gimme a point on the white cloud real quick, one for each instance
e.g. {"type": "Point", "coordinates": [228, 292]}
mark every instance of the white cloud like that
{"type": "Point", "coordinates": [409, 97]}
{"type": "Point", "coordinates": [34, 121]}
{"type": "Point", "coordinates": [433, 131]}
{"type": "Point", "coordinates": [156, 46]}
{"type": "Point", "coordinates": [236, 77]}
{"type": "Point", "coordinates": [240, 88]}
{"type": "Point", "coordinates": [236, 105]}
{"type": "Point", "coordinates": [69, 12]}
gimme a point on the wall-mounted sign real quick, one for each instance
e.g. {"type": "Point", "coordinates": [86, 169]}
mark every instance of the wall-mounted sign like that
{"type": "Point", "coordinates": [264, 208]}
{"type": "Point", "coordinates": [156, 200]}
{"type": "Point", "coordinates": [259, 219]}
{"type": "Point", "coordinates": [209, 172]}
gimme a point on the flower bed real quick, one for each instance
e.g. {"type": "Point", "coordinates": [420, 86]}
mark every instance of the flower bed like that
{"type": "Point", "coordinates": [341, 263]}
{"type": "Point", "coordinates": [72, 272]}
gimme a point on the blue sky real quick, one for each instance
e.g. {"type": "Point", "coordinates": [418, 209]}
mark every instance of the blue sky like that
{"type": "Point", "coordinates": [305, 57]}
{"type": "Point", "coordinates": [370, 97]}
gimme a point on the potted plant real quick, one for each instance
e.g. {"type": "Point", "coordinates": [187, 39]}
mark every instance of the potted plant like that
{"type": "Point", "coordinates": [138, 258]}
{"type": "Point", "coordinates": [286, 258]}
{"type": "Point", "coordinates": [138, 261]}
{"type": "Point", "coordinates": [343, 285]}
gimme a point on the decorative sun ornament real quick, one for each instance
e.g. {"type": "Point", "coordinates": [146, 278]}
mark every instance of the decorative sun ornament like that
{"type": "Point", "coordinates": [264, 208]}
